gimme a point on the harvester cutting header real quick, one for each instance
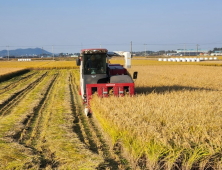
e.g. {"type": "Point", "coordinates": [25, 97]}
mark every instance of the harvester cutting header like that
{"type": "Point", "coordinates": [98, 75]}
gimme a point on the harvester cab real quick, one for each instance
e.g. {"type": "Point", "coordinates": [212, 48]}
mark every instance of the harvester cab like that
{"type": "Point", "coordinates": [97, 75]}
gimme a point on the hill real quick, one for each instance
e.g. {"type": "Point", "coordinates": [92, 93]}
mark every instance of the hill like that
{"type": "Point", "coordinates": [24, 52]}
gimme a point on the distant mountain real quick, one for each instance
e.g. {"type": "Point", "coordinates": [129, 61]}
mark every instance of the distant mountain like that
{"type": "Point", "coordinates": [24, 52]}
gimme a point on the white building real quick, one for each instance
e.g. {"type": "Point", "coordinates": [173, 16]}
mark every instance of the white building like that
{"type": "Point", "coordinates": [191, 52]}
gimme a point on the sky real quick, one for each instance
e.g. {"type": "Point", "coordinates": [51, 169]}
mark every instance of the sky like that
{"type": "Point", "coordinates": [71, 25]}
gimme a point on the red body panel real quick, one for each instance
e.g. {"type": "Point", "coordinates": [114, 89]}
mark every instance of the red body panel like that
{"type": "Point", "coordinates": [102, 90]}
{"type": "Point", "coordinates": [115, 69]}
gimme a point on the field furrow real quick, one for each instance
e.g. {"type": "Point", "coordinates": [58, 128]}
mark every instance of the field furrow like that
{"type": "Point", "coordinates": [8, 86]}
{"type": "Point", "coordinates": [78, 126]}
{"type": "Point", "coordinates": [81, 119]}
{"type": "Point", "coordinates": [57, 138]}
{"type": "Point", "coordinates": [36, 132]}
{"type": "Point", "coordinates": [19, 86]}
{"type": "Point", "coordinates": [32, 126]}
{"type": "Point", "coordinates": [45, 128]}
{"type": "Point", "coordinates": [15, 98]}
{"type": "Point", "coordinates": [12, 125]}
{"type": "Point", "coordinates": [92, 134]}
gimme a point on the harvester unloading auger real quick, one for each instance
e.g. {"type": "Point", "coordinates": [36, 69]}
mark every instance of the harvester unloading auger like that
{"type": "Point", "coordinates": [98, 75]}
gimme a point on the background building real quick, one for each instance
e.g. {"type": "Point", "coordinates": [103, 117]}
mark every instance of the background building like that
{"type": "Point", "coordinates": [191, 52]}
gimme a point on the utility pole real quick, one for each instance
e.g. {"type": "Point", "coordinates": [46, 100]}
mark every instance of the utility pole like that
{"type": "Point", "coordinates": [8, 51]}
{"type": "Point", "coordinates": [52, 52]}
{"type": "Point", "coordinates": [184, 49]}
{"type": "Point", "coordinates": [145, 49]}
{"type": "Point", "coordinates": [197, 49]}
{"type": "Point", "coordinates": [42, 52]}
{"type": "Point", "coordinates": [131, 48]}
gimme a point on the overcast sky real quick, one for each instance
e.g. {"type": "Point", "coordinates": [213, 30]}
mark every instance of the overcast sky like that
{"type": "Point", "coordinates": [70, 25]}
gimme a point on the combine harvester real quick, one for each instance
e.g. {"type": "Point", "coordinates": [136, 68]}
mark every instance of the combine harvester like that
{"type": "Point", "coordinates": [98, 75]}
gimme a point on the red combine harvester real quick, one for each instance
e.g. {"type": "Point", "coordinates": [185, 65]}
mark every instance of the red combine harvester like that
{"type": "Point", "coordinates": [97, 75]}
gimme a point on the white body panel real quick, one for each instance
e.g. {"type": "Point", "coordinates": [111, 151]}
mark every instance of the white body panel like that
{"type": "Point", "coordinates": [127, 57]}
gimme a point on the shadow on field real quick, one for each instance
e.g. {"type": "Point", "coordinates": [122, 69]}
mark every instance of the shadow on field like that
{"type": "Point", "coordinates": [164, 89]}
{"type": "Point", "coordinates": [108, 164]}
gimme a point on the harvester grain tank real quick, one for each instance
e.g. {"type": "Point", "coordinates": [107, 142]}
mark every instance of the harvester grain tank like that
{"type": "Point", "coordinates": [97, 75]}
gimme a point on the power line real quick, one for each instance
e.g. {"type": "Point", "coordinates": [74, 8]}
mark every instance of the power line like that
{"type": "Point", "coordinates": [79, 45]}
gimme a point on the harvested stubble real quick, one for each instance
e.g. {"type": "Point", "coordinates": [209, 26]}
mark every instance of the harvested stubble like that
{"type": "Point", "coordinates": [43, 121]}
{"type": "Point", "coordinates": [174, 120]}
{"type": "Point", "coordinates": [5, 95]}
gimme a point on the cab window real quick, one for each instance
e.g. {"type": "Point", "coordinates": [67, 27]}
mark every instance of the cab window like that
{"type": "Point", "coordinates": [95, 64]}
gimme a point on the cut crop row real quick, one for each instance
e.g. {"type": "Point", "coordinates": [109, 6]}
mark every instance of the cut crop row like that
{"type": "Point", "coordinates": [13, 124]}
{"type": "Point", "coordinates": [92, 132]}
{"type": "Point", "coordinates": [15, 98]}
{"type": "Point", "coordinates": [57, 135]}
{"type": "Point", "coordinates": [30, 135]}
{"type": "Point", "coordinates": [32, 123]}
{"type": "Point", "coordinates": [19, 86]}
{"type": "Point", "coordinates": [48, 130]}
{"type": "Point", "coordinates": [16, 82]}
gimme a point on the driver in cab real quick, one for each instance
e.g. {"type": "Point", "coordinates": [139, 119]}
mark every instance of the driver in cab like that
{"type": "Point", "coordinates": [92, 63]}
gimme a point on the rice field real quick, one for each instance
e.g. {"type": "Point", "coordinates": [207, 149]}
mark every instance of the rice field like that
{"type": "Point", "coordinates": [173, 122]}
